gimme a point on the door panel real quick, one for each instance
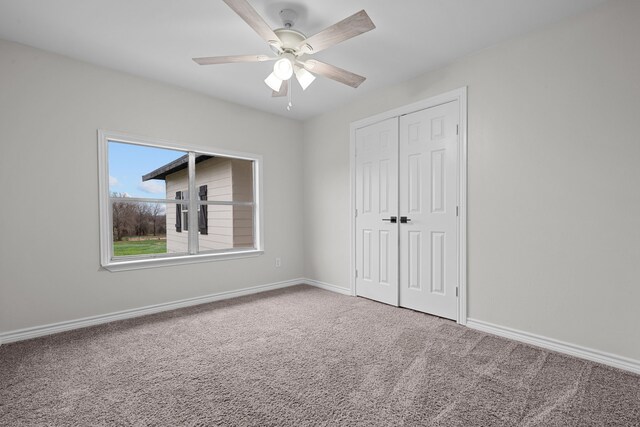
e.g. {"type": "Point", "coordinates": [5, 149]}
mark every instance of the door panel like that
{"type": "Point", "coordinates": [415, 183]}
{"type": "Point", "coordinates": [414, 272]}
{"type": "Point", "coordinates": [408, 167]}
{"type": "Point", "coordinates": [428, 198]}
{"type": "Point", "coordinates": [377, 199]}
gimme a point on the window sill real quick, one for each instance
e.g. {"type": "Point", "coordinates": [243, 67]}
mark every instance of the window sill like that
{"type": "Point", "coordinates": [138, 264]}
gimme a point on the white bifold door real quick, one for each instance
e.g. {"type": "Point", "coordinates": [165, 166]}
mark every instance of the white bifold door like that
{"type": "Point", "coordinates": [407, 171]}
{"type": "Point", "coordinates": [376, 208]}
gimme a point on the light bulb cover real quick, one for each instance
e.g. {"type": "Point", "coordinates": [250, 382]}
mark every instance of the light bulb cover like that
{"type": "Point", "coordinates": [283, 68]}
{"type": "Point", "coordinates": [273, 82]}
{"type": "Point", "coordinates": [304, 77]}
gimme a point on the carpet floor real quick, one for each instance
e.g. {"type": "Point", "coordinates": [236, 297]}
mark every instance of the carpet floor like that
{"type": "Point", "coordinates": [302, 356]}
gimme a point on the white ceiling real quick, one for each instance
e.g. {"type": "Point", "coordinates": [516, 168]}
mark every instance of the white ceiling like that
{"type": "Point", "coordinates": [158, 38]}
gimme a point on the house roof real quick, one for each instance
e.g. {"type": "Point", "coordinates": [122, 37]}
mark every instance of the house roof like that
{"type": "Point", "coordinates": [173, 167]}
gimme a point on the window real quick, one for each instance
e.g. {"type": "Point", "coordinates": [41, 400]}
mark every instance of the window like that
{"type": "Point", "coordinates": [182, 212]}
{"type": "Point", "coordinates": [152, 193]}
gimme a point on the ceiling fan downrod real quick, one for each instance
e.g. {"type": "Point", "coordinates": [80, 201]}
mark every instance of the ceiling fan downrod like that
{"type": "Point", "coordinates": [289, 45]}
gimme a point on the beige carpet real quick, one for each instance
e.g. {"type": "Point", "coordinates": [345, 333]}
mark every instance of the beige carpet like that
{"type": "Point", "coordinates": [300, 357]}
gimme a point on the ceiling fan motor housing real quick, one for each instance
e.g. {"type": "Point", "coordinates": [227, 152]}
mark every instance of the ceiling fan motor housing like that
{"type": "Point", "coordinates": [289, 45]}
{"type": "Point", "coordinates": [290, 39]}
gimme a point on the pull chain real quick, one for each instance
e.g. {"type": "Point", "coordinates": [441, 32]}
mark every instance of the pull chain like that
{"type": "Point", "coordinates": [290, 104]}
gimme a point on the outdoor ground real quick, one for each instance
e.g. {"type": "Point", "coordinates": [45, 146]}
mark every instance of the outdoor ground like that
{"type": "Point", "coordinates": [140, 246]}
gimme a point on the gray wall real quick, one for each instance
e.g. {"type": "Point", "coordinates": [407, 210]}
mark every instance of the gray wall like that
{"type": "Point", "coordinates": [554, 169]}
{"type": "Point", "coordinates": [50, 110]}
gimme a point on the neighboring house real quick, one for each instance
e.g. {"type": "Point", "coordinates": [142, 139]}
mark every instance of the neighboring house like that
{"type": "Point", "coordinates": [217, 179]}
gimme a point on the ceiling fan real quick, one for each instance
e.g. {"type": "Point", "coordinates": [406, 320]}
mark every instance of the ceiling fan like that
{"type": "Point", "coordinates": [291, 46]}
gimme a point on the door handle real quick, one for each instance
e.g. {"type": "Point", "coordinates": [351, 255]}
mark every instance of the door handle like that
{"type": "Point", "coordinates": [404, 220]}
{"type": "Point", "coordinates": [392, 220]}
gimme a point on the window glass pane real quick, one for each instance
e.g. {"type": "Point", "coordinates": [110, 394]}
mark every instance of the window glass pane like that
{"type": "Point", "coordinates": [140, 228]}
{"type": "Point", "coordinates": [223, 179]}
{"type": "Point", "coordinates": [223, 201]}
{"type": "Point", "coordinates": [141, 171]}
{"type": "Point", "coordinates": [225, 227]}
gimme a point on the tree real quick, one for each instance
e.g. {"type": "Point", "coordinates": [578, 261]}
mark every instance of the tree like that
{"type": "Point", "coordinates": [142, 216]}
{"type": "Point", "coordinates": [123, 216]}
{"type": "Point", "coordinates": [156, 209]}
{"type": "Point", "coordinates": [136, 218]}
{"type": "Point", "coordinates": [162, 228]}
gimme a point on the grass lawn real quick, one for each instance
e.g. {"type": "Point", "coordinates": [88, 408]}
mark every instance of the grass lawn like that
{"type": "Point", "coordinates": [139, 247]}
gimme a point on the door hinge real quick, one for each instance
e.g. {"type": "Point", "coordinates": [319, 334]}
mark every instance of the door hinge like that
{"type": "Point", "coordinates": [356, 213]}
{"type": "Point", "coordinates": [356, 274]}
{"type": "Point", "coordinates": [457, 129]}
{"type": "Point", "coordinates": [457, 214]}
{"type": "Point", "coordinates": [456, 291]}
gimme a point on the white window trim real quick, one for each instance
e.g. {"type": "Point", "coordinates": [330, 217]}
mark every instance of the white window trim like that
{"type": "Point", "coordinates": [106, 233]}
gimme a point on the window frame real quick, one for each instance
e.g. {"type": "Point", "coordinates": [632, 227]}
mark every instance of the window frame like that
{"type": "Point", "coordinates": [184, 212]}
{"type": "Point", "coordinates": [111, 263]}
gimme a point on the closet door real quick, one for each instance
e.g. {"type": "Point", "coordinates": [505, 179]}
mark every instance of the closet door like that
{"type": "Point", "coordinates": [428, 202]}
{"type": "Point", "coordinates": [376, 207]}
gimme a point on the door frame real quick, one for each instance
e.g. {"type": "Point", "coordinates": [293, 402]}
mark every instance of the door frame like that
{"type": "Point", "coordinates": [459, 95]}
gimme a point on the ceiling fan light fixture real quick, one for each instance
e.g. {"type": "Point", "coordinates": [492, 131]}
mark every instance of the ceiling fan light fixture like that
{"type": "Point", "coordinates": [290, 45]}
{"type": "Point", "coordinates": [304, 77]}
{"type": "Point", "coordinates": [273, 82]}
{"type": "Point", "coordinates": [283, 68]}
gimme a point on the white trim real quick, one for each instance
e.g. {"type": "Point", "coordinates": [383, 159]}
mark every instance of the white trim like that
{"type": "Point", "coordinates": [328, 287]}
{"type": "Point", "coordinates": [120, 264]}
{"type": "Point", "coordinates": [258, 208]}
{"type": "Point", "coordinates": [593, 355]}
{"type": "Point", "coordinates": [352, 209]}
{"type": "Point", "coordinates": [172, 145]}
{"type": "Point", "coordinates": [459, 95]}
{"type": "Point", "coordinates": [38, 331]}
{"type": "Point", "coordinates": [53, 328]}
{"type": "Point", "coordinates": [106, 235]}
{"type": "Point", "coordinates": [108, 262]}
{"type": "Point", "coordinates": [192, 215]}
{"type": "Point", "coordinates": [598, 356]}
{"type": "Point", "coordinates": [434, 101]}
{"type": "Point", "coordinates": [462, 203]}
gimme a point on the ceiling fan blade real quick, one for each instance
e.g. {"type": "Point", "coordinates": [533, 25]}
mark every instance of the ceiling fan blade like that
{"type": "Point", "coordinates": [334, 73]}
{"type": "Point", "coordinates": [347, 28]}
{"type": "Point", "coordinates": [231, 59]}
{"type": "Point", "coordinates": [284, 89]}
{"type": "Point", "coordinates": [251, 17]}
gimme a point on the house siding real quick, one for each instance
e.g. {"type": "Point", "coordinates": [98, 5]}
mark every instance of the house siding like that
{"type": "Point", "coordinates": [228, 226]}
{"type": "Point", "coordinates": [242, 192]}
{"type": "Point", "coordinates": [176, 242]}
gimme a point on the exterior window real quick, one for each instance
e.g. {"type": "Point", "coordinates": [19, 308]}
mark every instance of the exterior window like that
{"type": "Point", "coordinates": [182, 212]}
{"type": "Point", "coordinates": [153, 193]}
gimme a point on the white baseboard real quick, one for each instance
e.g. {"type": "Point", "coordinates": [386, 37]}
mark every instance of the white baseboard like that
{"type": "Point", "coordinates": [514, 334]}
{"type": "Point", "coordinates": [39, 331]}
{"type": "Point", "coordinates": [328, 286]}
{"type": "Point", "coordinates": [609, 359]}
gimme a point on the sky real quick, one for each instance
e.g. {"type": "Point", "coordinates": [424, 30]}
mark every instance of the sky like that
{"type": "Point", "coordinates": [127, 164]}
